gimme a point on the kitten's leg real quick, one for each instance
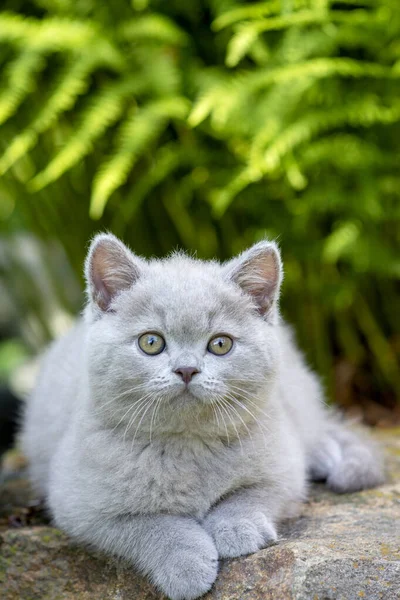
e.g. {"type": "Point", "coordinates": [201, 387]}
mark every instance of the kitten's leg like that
{"type": "Point", "coordinates": [175, 552]}
{"type": "Point", "coordinates": [346, 461]}
{"type": "Point", "coordinates": [243, 523]}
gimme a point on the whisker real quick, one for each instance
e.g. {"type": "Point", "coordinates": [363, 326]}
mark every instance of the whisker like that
{"type": "Point", "coordinates": [154, 416]}
{"type": "Point", "coordinates": [139, 407]}
{"type": "Point", "coordinates": [141, 420]}
{"type": "Point", "coordinates": [131, 390]}
{"type": "Point", "coordinates": [215, 414]}
{"type": "Point", "coordinates": [225, 406]}
{"type": "Point", "coordinates": [262, 428]}
{"type": "Point", "coordinates": [101, 410]}
{"type": "Point", "coordinates": [124, 415]}
{"type": "Point", "coordinates": [223, 420]}
{"type": "Point", "coordinates": [247, 398]}
{"type": "Point", "coordinates": [241, 418]}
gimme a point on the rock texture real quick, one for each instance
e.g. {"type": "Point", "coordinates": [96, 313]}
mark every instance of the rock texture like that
{"type": "Point", "coordinates": [341, 548]}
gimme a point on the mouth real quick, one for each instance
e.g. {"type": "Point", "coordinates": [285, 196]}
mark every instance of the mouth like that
{"type": "Point", "coordinates": [189, 394]}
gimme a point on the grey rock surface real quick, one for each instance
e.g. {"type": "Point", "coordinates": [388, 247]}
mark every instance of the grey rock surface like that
{"type": "Point", "coordinates": [341, 548]}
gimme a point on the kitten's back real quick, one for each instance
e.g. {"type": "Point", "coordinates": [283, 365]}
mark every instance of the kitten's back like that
{"type": "Point", "coordinates": [49, 409]}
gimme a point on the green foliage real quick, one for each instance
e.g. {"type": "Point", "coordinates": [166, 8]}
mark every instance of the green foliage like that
{"type": "Point", "coordinates": [208, 125]}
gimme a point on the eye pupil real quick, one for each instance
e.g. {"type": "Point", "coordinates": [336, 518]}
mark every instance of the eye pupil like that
{"type": "Point", "coordinates": [220, 345]}
{"type": "Point", "coordinates": [151, 343]}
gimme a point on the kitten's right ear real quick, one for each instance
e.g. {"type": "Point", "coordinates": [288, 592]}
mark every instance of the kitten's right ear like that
{"type": "Point", "coordinates": [110, 268]}
{"type": "Point", "coordinates": [258, 271]}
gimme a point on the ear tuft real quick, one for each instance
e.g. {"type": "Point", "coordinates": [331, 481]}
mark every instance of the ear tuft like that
{"type": "Point", "coordinates": [110, 269]}
{"type": "Point", "coordinates": [258, 271]}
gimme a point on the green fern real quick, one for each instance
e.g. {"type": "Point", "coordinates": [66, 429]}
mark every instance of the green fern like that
{"type": "Point", "coordinates": [53, 34]}
{"type": "Point", "coordinates": [363, 114]}
{"type": "Point", "coordinates": [167, 159]}
{"type": "Point", "coordinates": [21, 75]}
{"type": "Point", "coordinates": [153, 27]}
{"type": "Point", "coordinates": [135, 136]}
{"type": "Point", "coordinates": [72, 83]}
{"type": "Point", "coordinates": [105, 109]}
{"type": "Point", "coordinates": [210, 125]}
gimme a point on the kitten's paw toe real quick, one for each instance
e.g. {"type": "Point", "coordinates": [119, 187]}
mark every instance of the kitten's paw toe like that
{"type": "Point", "coordinates": [189, 573]}
{"type": "Point", "coordinates": [353, 477]}
{"type": "Point", "coordinates": [237, 537]}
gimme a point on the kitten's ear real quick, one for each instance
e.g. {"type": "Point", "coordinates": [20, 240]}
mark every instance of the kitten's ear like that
{"type": "Point", "coordinates": [110, 268]}
{"type": "Point", "coordinates": [258, 271]}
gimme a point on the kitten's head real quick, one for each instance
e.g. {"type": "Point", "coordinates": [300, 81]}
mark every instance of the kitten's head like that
{"type": "Point", "coordinates": [179, 341]}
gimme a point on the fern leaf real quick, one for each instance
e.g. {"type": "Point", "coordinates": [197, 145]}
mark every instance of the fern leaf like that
{"type": "Point", "coordinates": [72, 83]}
{"type": "Point", "coordinates": [239, 45]}
{"type": "Point", "coordinates": [313, 17]}
{"type": "Point", "coordinates": [203, 107]}
{"type": "Point", "coordinates": [226, 99]}
{"type": "Point", "coordinates": [250, 11]}
{"type": "Point", "coordinates": [50, 33]}
{"type": "Point", "coordinates": [247, 34]}
{"type": "Point", "coordinates": [320, 68]}
{"type": "Point", "coordinates": [166, 160]}
{"type": "Point", "coordinates": [105, 109]}
{"type": "Point", "coordinates": [221, 199]}
{"type": "Point", "coordinates": [153, 27]}
{"type": "Point", "coordinates": [360, 114]}
{"type": "Point", "coordinates": [21, 80]}
{"type": "Point", "coordinates": [343, 237]}
{"type": "Point", "coordinates": [301, 18]}
{"type": "Point", "coordinates": [346, 152]}
{"type": "Point", "coordinates": [16, 28]}
{"type": "Point", "coordinates": [55, 34]}
{"type": "Point", "coordinates": [136, 135]}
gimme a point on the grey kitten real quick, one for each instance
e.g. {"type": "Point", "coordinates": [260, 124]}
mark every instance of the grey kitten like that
{"type": "Point", "coordinates": [177, 423]}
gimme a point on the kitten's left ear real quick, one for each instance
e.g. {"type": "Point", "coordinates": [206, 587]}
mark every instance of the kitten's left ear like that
{"type": "Point", "coordinates": [258, 271]}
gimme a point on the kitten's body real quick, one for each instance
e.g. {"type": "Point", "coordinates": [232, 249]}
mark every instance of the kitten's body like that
{"type": "Point", "coordinates": [173, 475]}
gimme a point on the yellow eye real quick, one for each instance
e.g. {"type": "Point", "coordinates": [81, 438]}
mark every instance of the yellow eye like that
{"type": "Point", "coordinates": [220, 345]}
{"type": "Point", "coordinates": [151, 343]}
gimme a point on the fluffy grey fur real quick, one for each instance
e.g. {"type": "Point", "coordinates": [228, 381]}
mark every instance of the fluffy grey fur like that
{"type": "Point", "coordinates": [168, 475]}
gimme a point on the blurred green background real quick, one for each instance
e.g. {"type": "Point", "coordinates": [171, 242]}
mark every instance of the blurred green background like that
{"type": "Point", "coordinates": [208, 125]}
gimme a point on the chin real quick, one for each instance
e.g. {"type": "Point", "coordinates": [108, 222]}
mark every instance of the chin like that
{"type": "Point", "coordinates": [199, 394]}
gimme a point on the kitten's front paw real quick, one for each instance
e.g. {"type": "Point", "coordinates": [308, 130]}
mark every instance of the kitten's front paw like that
{"type": "Point", "coordinates": [240, 536]}
{"type": "Point", "coordinates": [188, 573]}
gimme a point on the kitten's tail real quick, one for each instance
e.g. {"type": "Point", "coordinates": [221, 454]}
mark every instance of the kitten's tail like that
{"type": "Point", "coordinates": [346, 460]}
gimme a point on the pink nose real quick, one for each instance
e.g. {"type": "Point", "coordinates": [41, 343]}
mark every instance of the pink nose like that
{"type": "Point", "coordinates": [186, 373]}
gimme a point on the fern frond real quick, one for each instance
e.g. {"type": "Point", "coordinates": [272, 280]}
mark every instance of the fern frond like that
{"type": "Point", "coordinates": [314, 17]}
{"type": "Point", "coordinates": [346, 152]}
{"type": "Point", "coordinates": [258, 10]}
{"type": "Point", "coordinates": [49, 34]}
{"type": "Point", "coordinates": [159, 68]}
{"type": "Point", "coordinates": [252, 11]}
{"type": "Point", "coordinates": [297, 19]}
{"type": "Point", "coordinates": [224, 99]}
{"type": "Point", "coordinates": [72, 83]}
{"type": "Point", "coordinates": [153, 27]}
{"type": "Point", "coordinates": [204, 106]}
{"type": "Point", "coordinates": [240, 45]}
{"type": "Point", "coordinates": [135, 136]}
{"type": "Point", "coordinates": [365, 113]}
{"type": "Point", "coordinates": [104, 110]}
{"type": "Point", "coordinates": [167, 159]}
{"type": "Point", "coordinates": [221, 199]}
{"type": "Point", "coordinates": [55, 34]}
{"type": "Point", "coordinates": [342, 238]}
{"type": "Point", "coordinates": [21, 74]}
{"type": "Point", "coordinates": [321, 68]}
